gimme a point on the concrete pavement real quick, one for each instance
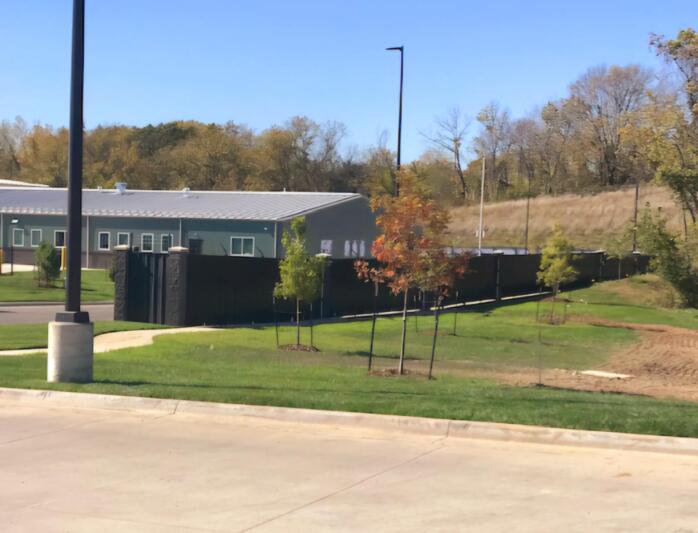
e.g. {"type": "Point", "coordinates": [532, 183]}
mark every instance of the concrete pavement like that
{"type": "Point", "coordinates": [36, 314]}
{"type": "Point", "coordinates": [68, 469]}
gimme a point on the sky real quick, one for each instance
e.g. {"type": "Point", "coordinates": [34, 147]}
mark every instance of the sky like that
{"type": "Point", "coordinates": [261, 62]}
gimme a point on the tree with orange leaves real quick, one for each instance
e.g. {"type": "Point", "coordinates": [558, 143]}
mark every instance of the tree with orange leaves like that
{"type": "Point", "coordinates": [411, 249]}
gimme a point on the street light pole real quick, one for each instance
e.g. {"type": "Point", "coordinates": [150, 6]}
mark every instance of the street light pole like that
{"type": "Point", "coordinates": [400, 49]}
{"type": "Point", "coordinates": [70, 336]}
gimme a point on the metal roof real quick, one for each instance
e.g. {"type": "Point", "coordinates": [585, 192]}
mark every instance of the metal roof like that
{"type": "Point", "coordinates": [223, 205]}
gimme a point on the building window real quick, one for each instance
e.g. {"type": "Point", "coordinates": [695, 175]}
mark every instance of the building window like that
{"type": "Point", "coordinates": [103, 240]}
{"type": "Point", "coordinates": [147, 242]}
{"type": "Point", "coordinates": [165, 242]}
{"type": "Point", "coordinates": [18, 237]}
{"type": "Point", "coordinates": [123, 239]}
{"type": "Point", "coordinates": [242, 246]}
{"type": "Point", "coordinates": [354, 248]}
{"type": "Point", "coordinates": [326, 246]}
{"type": "Point", "coordinates": [59, 238]}
{"type": "Point", "coordinates": [35, 238]}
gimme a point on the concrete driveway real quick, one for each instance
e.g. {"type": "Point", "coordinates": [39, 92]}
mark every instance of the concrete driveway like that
{"type": "Point", "coordinates": [64, 469]}
{"type": "Point", "coordinates": [36, 314]}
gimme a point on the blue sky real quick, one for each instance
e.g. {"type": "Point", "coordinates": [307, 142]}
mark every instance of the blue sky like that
{"type": "Point", "coordinates": [261, 62]}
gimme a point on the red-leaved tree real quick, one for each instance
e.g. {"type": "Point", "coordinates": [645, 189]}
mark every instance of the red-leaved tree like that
{"type": "Point", "coordinates": [411, 248]}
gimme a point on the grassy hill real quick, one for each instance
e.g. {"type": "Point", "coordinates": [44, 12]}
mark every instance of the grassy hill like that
{"type": "Point", "coordinates": [588, 220]}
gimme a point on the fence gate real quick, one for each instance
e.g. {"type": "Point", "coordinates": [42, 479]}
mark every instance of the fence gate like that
{"type": "Point", "coordinates": [147, 281]}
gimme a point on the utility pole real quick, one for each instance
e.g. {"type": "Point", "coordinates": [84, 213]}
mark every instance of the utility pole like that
{"type": "Point", "coordinates": [482, 207]}
{"type": "Point", "coordinates": [637, 200]}
{"type": "Point", "coordinates": [400, 49]}
{"type": "Point", "coordinates": [528, 211]}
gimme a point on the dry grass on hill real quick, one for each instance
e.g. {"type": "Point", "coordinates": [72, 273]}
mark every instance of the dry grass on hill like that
{"type": "Point", "coordinates": [587, 220]}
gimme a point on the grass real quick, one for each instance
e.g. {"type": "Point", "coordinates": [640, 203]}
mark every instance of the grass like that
{"type": "Point", "coordinates": [243, 366]}
{"type": "Point", "coordinates": [24, 336]}
{"type": "Point", "coordinates": [22, 287]}
{"type": "Point", "coordinates": [587, 220]}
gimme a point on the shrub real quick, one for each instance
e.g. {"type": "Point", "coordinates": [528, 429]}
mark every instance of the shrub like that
{"type": "Point", "coordinates": [48, 264]}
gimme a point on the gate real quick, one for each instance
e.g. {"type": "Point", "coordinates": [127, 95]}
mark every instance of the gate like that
{"type": "Point", "coordinates": [146, 292]}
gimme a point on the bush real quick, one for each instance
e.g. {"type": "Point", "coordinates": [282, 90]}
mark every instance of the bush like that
{"type": "Point", "coordinates": [671, 258]}
{"type": "Point", "coordinates": [48, 264]}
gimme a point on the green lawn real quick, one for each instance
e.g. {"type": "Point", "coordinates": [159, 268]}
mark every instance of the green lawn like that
{"type": "Point", "coordinates": [22, 336]}
{"type": "Point", "coordinates": [243, 366]}
{"type": "Point", "coordinates": [22, 287]}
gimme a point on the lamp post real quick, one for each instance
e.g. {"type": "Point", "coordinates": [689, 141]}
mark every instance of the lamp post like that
{"type": "Point", "coordinates": [400, 49]}
{"type": "Point", "coordinates": [70, 336]}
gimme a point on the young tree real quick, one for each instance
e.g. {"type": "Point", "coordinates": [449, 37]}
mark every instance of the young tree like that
{"type": "Point", "coordinates": [48, 264]}
{"type": "Point", "coordinates": [556, 264]}
{"type": "Point", "coordinates": [411, 247]}
{"type": "Point", "coordinates": [619, 246]}
{"type": "Point", "coordinates": [301, 273]}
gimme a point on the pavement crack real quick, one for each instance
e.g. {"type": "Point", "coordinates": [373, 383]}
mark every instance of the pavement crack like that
{"type": "Point", "coordinates": [343, 489]}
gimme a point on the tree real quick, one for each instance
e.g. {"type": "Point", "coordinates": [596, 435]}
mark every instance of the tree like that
{"type": "Point", "coordinates": [301, 274]}
{"type": "Point", "coordinates": [672, 260]}
{"type": "Point", "coordinates": [619, 246]}
{"type": "Point", "coordinates": [410, 249]}
{"type": "Point", "coordinates": [556, 264]}
{"type": "Point", "coordinates": [492, 141]}
{"type": "Point", "coordinates": [450, 138]}
{"type": "Point", "coordinates": [604, 99]}
{"type": "Point", "coordinates": [48, 264]}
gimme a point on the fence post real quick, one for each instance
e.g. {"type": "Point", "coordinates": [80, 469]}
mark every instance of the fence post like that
{"type": "Point", "coordinates": [176, 289]}
{"type": "Point", "coordinates": [498, 283]}
{"type": "Point", "coordinates": [121, 278]}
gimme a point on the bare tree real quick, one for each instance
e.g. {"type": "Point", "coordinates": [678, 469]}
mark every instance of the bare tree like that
{"type": "Point", "coordinates": [493, 140]}
{"type": "Point", "coordinates": [450, 137]}
{"type": "Point", "coordinates": [604, 98]}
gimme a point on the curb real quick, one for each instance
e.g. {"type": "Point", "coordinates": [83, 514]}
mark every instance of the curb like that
{"type": "Point", "coordinates": [404, 424]}
{"type": "Point", "coordinates": [45, 303]}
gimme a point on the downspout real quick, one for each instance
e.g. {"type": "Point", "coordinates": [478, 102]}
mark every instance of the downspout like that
{"type": "Point", "coordinates": [2, 232]}
{"type": "Point", "coordinates": [180, 232]}
{"type": "Point", "coordinates": [276, 241]}
{"type": "Point", "coordinates": [87, 244]}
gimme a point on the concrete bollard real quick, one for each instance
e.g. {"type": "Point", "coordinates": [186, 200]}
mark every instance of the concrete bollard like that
{"type": "Point", "coordinates": [70, 352]}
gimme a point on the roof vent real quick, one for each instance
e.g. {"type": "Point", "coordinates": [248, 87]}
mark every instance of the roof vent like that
{"type": "Point", "coordinates": [120, 187]}
{"type": "Point", "coordinates": [185, 192]}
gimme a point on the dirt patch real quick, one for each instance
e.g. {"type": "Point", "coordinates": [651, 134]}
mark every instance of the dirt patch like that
{"type": "Point", "coordinates": [663, 364]}
{"type": "Point", "coordinates": [298, 348]}
{"type": "Point", "coordinates": [393, 373]}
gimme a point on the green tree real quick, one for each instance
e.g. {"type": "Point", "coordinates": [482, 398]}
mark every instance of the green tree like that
{"type": "Point", "coordinates": [48, 264]}
{"type": "Point", "coordinates": [301, 273]}
{"type": "Point", "coordinates": [556, 264]}
{"type": "Point", "coordinates": [672, 259]}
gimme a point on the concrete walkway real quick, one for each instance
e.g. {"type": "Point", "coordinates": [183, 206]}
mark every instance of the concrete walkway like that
{"type": "Point", "coordinates": [32, 313]}
{"type": "Point", "coordinates": [118, 340]}
{"type": "Point", "coordinates": [80, 470]}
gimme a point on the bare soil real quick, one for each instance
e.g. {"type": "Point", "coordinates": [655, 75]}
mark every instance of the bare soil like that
{"type": "Point", "coordinates": [298, 348]}
{"type": "Point", "coordinates": [663, 364]}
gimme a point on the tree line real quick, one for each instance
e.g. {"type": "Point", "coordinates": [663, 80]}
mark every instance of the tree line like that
{"type": "Point", "coordinates": [617, 125]}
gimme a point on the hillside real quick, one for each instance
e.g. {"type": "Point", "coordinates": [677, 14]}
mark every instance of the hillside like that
{"type": "Point", "coordinates": [588, 220]}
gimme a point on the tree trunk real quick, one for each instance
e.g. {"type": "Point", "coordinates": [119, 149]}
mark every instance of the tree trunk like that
{"type": "Point", "coordinates": [276, 322]}
{"type": "Point", "coordinates": [455, 321]}
{"type": "Point", "coordinates": [298, 322]}
{"type": "Point", "coordinates": [436, 334]}
{"type": "Point", "coordinates": [401, 364]}
{"type": "Point", "coordinates": [373, 325]}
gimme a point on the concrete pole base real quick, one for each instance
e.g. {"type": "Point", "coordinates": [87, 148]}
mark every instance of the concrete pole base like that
{"type": "Point", "coordinates": [70, 352]}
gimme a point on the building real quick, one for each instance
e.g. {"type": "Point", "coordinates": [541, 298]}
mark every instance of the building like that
{"type": "Point", "coordinates": [237, 223]}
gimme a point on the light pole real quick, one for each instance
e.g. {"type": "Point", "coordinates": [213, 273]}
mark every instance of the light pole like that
{"type": "Point", "coordinates": [70, 344]}
{"type": "Point", "coordinates": [482, 207]}
{"type": "Point", "coordinates": [400, 49]}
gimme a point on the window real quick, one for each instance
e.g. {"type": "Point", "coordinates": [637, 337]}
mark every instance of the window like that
{"type": "Point", "coordinates": [326, 246]}
{"type": "Point", "coordinates": [59, 238]}
{"type": "Point", "coordinates": [18, 237]}
{"type": "Point", "coordinates": [165, 242]}
{"type": "Point", "coordinates": [354, 248]}
{"type": "Point", "coordinates": [242, 246]}
{"type": "Point", "coordinates": [123, 239]}
{"type": "Point", "coordinates": [103, 239]}
{"type": "Point", "coordinates": [35, 238]}
{"type": "Point", "coordinates": [147, 242]}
